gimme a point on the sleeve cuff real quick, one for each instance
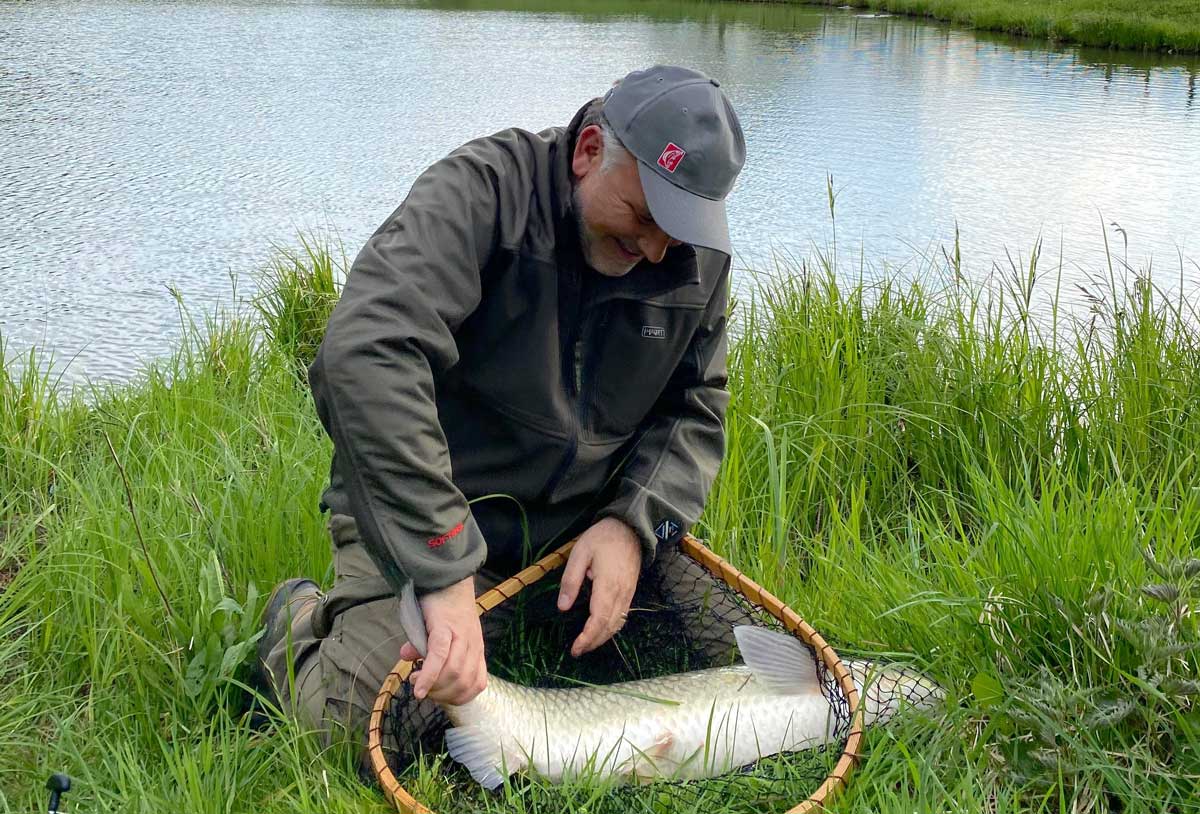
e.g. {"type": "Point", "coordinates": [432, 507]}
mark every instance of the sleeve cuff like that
{"type": "Point", "coordinates": [649, 516]}
{"type": "Point", "coordinates": [448, 558]}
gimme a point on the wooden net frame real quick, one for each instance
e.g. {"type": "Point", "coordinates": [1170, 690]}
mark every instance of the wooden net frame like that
{"type": "Point", "coordinates": [714, 565]}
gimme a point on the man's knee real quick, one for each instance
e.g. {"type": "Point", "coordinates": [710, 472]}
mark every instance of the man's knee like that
{"type": "Point", "coordinates": [328, 679]}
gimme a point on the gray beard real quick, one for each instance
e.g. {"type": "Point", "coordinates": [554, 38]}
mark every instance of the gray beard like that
{"type": "Point", "coordinates": [585, 234]}
{"type": "Point", "coordinates": [587, 240]}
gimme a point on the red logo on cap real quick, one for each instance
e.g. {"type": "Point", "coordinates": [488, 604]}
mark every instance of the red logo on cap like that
{"type": "Point", "coordinates": [671, 157]}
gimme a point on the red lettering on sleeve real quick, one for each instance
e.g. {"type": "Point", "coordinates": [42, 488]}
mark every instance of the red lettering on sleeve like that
{"type": "Point", "coordinates": [441, 538]}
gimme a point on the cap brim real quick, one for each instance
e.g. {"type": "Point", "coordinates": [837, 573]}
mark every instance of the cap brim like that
{"type": "Point", "coordinates": [690, 218]}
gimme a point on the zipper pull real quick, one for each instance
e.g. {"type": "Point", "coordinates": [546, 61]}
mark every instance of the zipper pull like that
{"type": "Point", "coordinates": [578, 366]}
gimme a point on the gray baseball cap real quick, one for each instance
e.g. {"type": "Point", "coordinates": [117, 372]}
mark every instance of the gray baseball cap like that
{"type": "Point", "coordinates": [689, 146]}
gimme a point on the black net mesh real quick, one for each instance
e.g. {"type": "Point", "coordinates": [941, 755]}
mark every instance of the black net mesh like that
{"type": "Point", "coordinates": [681, 619]}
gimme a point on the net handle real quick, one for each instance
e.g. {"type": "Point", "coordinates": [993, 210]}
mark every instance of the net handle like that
{"type": "Point", "coordinates": [719, 568]}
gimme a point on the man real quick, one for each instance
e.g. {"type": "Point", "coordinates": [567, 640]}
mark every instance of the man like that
{"type": "Point", "coordinates": [531, 348]}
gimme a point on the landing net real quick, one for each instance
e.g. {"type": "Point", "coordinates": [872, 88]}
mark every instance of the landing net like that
{"type": "Point", "coordinates": [681, 619]}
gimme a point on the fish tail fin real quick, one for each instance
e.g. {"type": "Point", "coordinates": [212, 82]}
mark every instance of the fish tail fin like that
{"type": "Point", "coordinates": [779, 660]}
{"type": "Point", "coordinates": [482, 753]}
{"type": "Point", "coordinates": [886, 689]}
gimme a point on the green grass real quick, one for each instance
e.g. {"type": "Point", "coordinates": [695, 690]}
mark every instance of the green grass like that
{"type": "Point", "coordinates": [1161, 25]}
{"type": "Point", "coordinates": [923, 471]}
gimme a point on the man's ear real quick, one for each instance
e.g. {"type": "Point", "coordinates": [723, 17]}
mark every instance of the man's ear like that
{"type": "Point", "coordinates": [589, 151]}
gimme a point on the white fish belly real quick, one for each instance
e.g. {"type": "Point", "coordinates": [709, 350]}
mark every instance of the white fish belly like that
{"type": "Point", "coordinates": [730, 733]}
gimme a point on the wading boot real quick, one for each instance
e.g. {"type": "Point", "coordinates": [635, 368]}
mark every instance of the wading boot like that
{"type": "Point", "coordinates": [289, 599]}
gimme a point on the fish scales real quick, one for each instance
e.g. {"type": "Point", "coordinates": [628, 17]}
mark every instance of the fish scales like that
{"type": "Point", "coordinates": [685, 726]}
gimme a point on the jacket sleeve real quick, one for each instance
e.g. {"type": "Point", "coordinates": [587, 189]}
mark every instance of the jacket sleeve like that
{"type": "Point", "coordinates": [665, 480]}
{"type": "Point", "coordinates": [389, 340]}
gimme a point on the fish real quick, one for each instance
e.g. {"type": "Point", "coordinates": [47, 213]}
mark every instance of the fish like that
{"type": "Point", "coordinates": [686, 726]}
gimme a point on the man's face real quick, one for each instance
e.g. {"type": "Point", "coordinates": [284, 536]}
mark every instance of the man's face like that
{"type": "Point", "coordinates": [615, 225]}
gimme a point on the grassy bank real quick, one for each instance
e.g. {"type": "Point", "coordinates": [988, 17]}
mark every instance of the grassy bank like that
{"type": "Point", "coordinates": [920, 471]}
{"type": "Point", "coordinates": [1161, 25]}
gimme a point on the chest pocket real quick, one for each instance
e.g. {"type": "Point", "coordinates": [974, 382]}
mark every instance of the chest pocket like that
{"type": "Point", "coordinates": [639, 346]}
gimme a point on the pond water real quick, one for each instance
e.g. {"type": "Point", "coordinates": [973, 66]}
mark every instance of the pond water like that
{"type": "Point", "coordinates": [150, 147]}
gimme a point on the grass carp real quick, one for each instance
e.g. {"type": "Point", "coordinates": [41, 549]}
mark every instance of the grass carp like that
{"type": "Point", "coordinates": [685, 726]}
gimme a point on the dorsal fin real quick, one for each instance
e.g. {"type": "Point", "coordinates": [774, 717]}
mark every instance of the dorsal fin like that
{"type": "Point", "coordinates": [778, 660]}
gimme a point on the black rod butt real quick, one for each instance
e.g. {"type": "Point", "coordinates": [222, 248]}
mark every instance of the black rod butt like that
{"type": "Point", "coordinates": [57, 785]}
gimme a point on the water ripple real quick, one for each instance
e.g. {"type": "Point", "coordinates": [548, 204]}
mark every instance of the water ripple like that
{"type": "Point", "coordinates": [145, 146]}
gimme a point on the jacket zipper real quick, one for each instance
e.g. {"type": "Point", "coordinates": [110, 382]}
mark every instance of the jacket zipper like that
{"type": "Point", "coordinates": [581, 354]}
{"type": "Point", "coordinates": [582, 401]}
{"type": "Point", "coordinates": [578, 352]}
{"type": "Point", "coordinates": [573, 383]}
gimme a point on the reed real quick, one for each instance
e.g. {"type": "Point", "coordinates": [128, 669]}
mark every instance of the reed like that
{"type": "Point", "coordinates": [1166, 25]}
{"type": "Point", "coordinates": [932, 472]}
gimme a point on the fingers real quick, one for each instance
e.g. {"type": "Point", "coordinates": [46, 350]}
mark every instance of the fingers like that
{"type": "Point", "coordinates": [408, 652]}
{"type": "Point", "coordinates": [592, 637]}
{"type": "Point", "coordinates": [440, 640]}
{"type": "Point", "coordinates": [578, 565]}
{"type": "Point", "coordinates": [608, 611]}
{"type": "Point", "coordinates": [463, 677]}
{"type": "Point", "coordinates": [454, 672]}
{"type": "Point", "coordinates": [607, 554]}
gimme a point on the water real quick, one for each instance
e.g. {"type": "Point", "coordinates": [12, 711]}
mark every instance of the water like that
{"type": "Point", "coordinates": [150, 147]}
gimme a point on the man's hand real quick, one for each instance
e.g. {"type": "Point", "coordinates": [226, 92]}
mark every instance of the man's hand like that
{"type": "Point", "coordinates": [610, 555]}
{"type": "Point", "coordinates": [454, 671]}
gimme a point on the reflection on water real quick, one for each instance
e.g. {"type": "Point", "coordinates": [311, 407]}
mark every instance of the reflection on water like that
{"type": "Point", "coordinates": [152, 145]}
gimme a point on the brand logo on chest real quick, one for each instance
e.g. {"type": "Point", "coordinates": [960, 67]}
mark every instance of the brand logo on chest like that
{"type": "Point", "coordinates": [653, 332]}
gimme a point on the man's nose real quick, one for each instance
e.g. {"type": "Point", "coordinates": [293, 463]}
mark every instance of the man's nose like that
{"type": "Point", "coordinates": [654, 245]}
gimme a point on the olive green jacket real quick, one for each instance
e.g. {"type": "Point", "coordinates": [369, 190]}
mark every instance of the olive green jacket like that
{"type": "Point", "coordinates": [488, 394]}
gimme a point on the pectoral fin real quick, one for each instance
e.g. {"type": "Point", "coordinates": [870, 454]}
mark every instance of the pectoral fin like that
{"type": "Point", "coordinates": [482, 754]}
{"type": "Point", "coordinates": [647, 764]}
